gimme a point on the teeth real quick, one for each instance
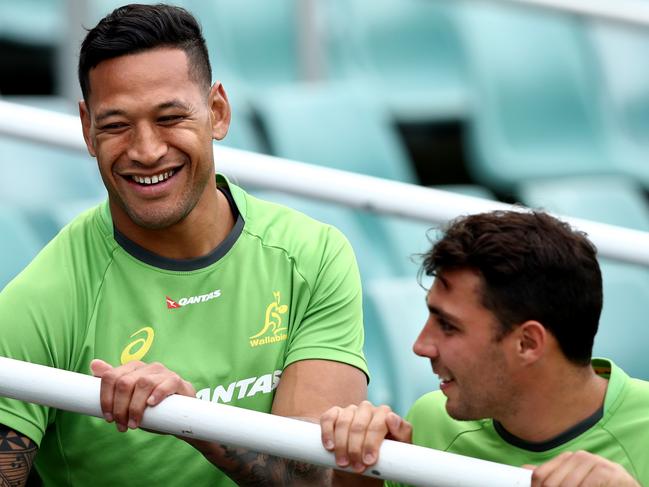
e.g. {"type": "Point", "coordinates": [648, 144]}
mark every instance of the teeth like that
{"type": "Point", "coordinates": [158, 178]}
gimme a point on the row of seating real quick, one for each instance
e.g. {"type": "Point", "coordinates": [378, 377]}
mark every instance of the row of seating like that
{"type": "Point", "coordinates": [556, 120]}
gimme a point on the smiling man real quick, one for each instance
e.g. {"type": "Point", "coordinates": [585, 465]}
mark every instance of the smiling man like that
{"type": "Point", "coordinates": [180, 283]}
{"type": "Point", "coordinates": [513, 314]}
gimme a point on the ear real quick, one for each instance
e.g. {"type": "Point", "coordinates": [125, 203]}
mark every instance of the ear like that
{"type": "Point", "coordinates": [220, 111]}
{"type": "Point", "coordinates": [532, 340]}
{"type": "Point", "coordinates": [86, 124]}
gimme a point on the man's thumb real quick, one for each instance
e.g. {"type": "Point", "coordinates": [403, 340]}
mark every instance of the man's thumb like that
{"type": "Point", "coordinates": [99, 367]}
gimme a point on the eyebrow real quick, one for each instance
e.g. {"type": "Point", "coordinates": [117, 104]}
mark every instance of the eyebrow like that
{"type": "Point", "coordinates": [162, 106]}
{"type": "Point", "coordinates": [442, 314]}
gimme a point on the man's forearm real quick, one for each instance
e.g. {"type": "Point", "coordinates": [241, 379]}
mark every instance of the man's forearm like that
{"type": "Point", "coordinates": [251, 468]}
{"type": "Point", "coordinates": [16, 457]}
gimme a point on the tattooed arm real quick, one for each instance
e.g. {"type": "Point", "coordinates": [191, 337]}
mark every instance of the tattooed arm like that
{"type": "Point", "coordinates": [250, 468]}
{"type": "Point", "coordinates": [16, 457]}
{"type": "Point", "coordinates": [306, 390]}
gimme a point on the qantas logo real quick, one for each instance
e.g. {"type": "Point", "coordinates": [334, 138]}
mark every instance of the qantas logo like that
{"type": "Point", "coordinates": [201, 298]}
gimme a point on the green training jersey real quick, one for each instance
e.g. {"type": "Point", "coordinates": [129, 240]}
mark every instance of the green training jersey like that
{"type": "Point", "coordinates": [619, 431]}
{"type": "Point", "coordinates": [280, 288]}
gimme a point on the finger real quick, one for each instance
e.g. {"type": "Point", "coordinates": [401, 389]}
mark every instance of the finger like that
{"type": "Point", "coordinates": [109, 377]}
{"type": "Point", "coordinates": [341, 435]}
{"type": "Point", "coordinates": [357, 432]}
{"type": "Point", "coordinates": [579, 468]}
{"type": "Point", "coordinates": [327, 422]}
{"type": "Point", "coordinates": [172, 384]}
{"type": "Point", "coordinates": [399, 428]}
{"type": "Point", "coordinates": [552, 472]}
{"type": "Point", "coordinates": [99, 367]}
{"type": "Point", "coordinates": [124, 387]}
{"type": "Point", "coordinates": [377, 430]}
{"type": "Point", "coordinates": [145, 383]}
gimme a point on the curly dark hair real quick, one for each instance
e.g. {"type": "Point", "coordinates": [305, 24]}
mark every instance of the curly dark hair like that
{"type": "Point", "coordinates": [135, 28]}
{"type": "Point", "coordinates": [533, 267]}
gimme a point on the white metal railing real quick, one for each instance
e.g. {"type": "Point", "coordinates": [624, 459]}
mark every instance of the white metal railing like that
{"type": "Point", "coordinates": [260, 432]}
{"type": "Point", "coordinates": [346, 188]}
{"type": "Point", "coordinates": [635, 12]}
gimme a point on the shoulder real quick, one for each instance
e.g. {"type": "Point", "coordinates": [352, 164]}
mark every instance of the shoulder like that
{"type": "Point", "coordinates": [301, 238]}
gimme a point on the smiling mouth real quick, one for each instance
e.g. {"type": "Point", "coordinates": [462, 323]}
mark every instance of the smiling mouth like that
{"type": "Point", "coordinates": [155, 179]}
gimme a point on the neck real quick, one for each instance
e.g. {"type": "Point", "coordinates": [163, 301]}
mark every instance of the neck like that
{"type": "Point", "coordinates": [557, 400]}
{"type": "Point", "coordinates": [200, 232]}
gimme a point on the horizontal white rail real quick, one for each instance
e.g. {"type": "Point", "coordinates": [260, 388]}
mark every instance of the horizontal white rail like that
{"type": "Point", "coordinates": [342, 187]}
{"type": "Point", "coordinates": [626, 11]}
{"type": "Point", "coordinates": [260, 432]}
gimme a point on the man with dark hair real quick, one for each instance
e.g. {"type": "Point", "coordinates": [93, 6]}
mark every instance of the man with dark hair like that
{"type": "Point", "coordinates": [514, 310]}
{"type": "Point", "coordinates": [253, 304]}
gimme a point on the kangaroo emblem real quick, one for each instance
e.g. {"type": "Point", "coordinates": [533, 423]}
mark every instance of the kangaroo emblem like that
{"type": "Point", "coordinates": [273, 321]}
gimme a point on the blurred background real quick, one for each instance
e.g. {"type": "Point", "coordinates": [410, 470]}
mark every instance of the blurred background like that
{"type": "Point", "coordinates": [486, 98]}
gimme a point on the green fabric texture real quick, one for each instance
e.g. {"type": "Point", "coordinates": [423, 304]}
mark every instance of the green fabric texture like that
{"type": "Point", "coordinates": [621, 435]}
{"type": "Point", "coordinates": [288, 289]}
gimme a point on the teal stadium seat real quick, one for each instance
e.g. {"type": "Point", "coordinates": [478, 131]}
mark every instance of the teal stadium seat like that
{"type": "Point", "coordinates": [408, 51]}
{"type": "Point", "coordinates": [334, 126]}
{"type": "Point", "coordinates": [243, 133]}
{"type": "Point", "coordinates": [624, 75]}
{"type": "Point", "coordinates": [19, 24]}
{"type": "Point", "coordinates": [18, 245]}
{"type": "Point", "coordinates": [35, 175]}
{"type": "Point", "coordinates": [400, 306]}
{"type": "Point", "coordinates": [623, 330]}
{"type": "Point", "coordinates": [535, 113]}
{"type": "Point", "coordinates": [254, 41]}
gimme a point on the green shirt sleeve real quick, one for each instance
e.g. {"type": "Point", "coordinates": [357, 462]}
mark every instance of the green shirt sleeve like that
{"type": "Point", "coordinates": [332, 325]}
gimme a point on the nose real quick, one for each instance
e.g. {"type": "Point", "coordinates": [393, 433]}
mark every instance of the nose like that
{"type": "Point", "coordinates": [426, 345]}
{"type": "Point", "coordinates": [146, 146]}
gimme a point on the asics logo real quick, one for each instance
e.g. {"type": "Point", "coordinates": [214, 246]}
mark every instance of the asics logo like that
{"type": "Point", "coordinates": [138, 347]}
{"type": "Point", "coordinates": [201, 298]}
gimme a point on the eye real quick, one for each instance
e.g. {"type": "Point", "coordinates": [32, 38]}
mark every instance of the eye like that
{"type": "Point", "coordinates": [112, 127]}
{"type": "Point", "coordinates": [445, 326]}
{"type": "Point", "coordinates": [170, 119]}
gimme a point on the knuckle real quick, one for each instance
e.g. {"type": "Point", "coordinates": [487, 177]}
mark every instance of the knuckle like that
{"type": "Point", "coordinates": [157, 366]}
{"type": "Point", "coordinates": [124, 384]}
{"type": "Point", "coordinates": [356, 427]}
{"type": "Point", "coordinates": [144, 382]}
{"type": "Point", "coordinates": [330, 414]}
{"type": "Point", "coordinates": [385, 409]}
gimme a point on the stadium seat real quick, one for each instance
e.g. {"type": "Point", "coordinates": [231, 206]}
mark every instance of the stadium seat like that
{"type": "Point", "coordinates": [35, 175]}
{"type": "Point", "coordinates": [408, 239]}
{"type": "Point", "coordinates": [536, 112]}
{"type": "Point", "coordinates": [625, 79]}
{"type": "Point", "coordinates": [335, 126]}
{"type": "Point", "coordinates": [407, 50]}
{"type": "Point", "coordinates": [616, 200]}
{"type": "Point", "coordinates": [18, 245]}
{"type": "Point", "coordinates": [623, 332]}
{"type": "Point", "coordinates": [256, 40]}
{"type": "Point", "coordinates": [400, 305]}
{"type": "Point", "coordinates": [19, 24]}
{"type": "Point", "coordinates": [243, 133]}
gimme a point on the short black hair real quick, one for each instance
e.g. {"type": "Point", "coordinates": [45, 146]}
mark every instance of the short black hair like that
{"type": "Point", "coordinates": [135, 28]}
{"type": "Point", "coordinates": [533, 267]}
